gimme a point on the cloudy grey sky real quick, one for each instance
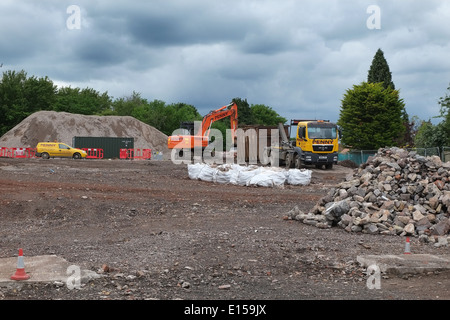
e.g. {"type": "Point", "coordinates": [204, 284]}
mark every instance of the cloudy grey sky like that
{"type": "Point", "coordinates": [296, 56]}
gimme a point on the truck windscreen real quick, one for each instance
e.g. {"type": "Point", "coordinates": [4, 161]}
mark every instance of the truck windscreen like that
{"type": "Point", "coordinates": [321, 132]}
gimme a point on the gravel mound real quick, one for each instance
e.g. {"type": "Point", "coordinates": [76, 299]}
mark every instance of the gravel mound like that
{"type": "Point", "coordinates": [63, 126]}
{"type": "Point", "coordinates": [395, 192]}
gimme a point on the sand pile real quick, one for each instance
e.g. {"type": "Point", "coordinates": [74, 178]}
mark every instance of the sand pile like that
{"type": "Point", "coordinates": [63, 126]}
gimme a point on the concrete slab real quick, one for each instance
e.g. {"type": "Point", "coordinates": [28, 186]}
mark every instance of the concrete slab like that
{"type": "Point", "coordinates": [47, 268]}
{"type": "Point", "coordinates": [406, 263]}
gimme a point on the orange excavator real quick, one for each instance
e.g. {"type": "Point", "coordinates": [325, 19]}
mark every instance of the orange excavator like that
{"type": "Point", "coordinates": [201, 138]}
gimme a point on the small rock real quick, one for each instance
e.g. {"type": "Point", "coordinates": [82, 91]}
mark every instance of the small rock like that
{"type": "Point", "coordinates": [371, 228]}
{"type": "Point", "coordinates": [417, 215]}
{"type": "Point", "coordinates": [225, 287]}
{"type": "Point", "coordinates": [105, 268]}
{"type": "Point", "coordinates": [441, 241]}
{"type": "Point", "coordinates": [423, 238]}
{"type": "Point", "coordinates": [441, 228]}
{"type": "Point", "coordinates": [409, 228]}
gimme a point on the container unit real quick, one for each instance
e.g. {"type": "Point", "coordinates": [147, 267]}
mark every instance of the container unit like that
{"type": "Point", "coordinates": [258, 140]}
{"type": "Point", "coordinates": [111, 145]}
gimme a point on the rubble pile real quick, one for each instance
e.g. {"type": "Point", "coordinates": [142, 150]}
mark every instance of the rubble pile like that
{"type": "Point", "coordinates": [395, 192]}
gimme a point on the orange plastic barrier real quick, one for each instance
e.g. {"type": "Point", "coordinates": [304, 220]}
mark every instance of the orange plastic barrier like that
{"type": "Point", "coordinates": [94, 153]}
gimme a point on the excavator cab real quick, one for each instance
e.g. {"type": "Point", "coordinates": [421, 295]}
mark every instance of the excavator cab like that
{"type": "Point", "coordinates": [187, 127]}
{"type": "Point", "coordinates": [200, 139]}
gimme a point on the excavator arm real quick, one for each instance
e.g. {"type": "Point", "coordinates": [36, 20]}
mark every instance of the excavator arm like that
{"type": "Point", "coordinates": [216, 115]}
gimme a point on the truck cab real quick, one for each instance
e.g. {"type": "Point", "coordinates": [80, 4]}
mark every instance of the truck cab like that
{"type": "Point", "coordinates": [316, 142]}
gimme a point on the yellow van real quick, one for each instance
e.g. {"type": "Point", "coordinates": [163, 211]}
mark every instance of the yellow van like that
{"type": "Point", "coordinates": [46, 150]}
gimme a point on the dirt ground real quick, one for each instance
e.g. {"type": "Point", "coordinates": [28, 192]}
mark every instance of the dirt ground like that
{"type": "Point", "coordinates": [152, 233]}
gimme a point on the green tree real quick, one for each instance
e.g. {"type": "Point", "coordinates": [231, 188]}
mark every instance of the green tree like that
{"type": "Point", "coordinates": [429, 135]}
{"type": "Point", "coordinates": [12, 100]}
{"type": "Point", "coordinates": [152, 113]}
{"type": "Point", "coordinates": [379, 71]}
{"type": "Point", "coordinates": [40, 94]}
{"type": "Point", "coordinates": [81, 101]}
{"type": "Point", "coordinates": [245, 116]}
{"type": "Point", "coordinates": [21, 96]}
{"type": "Point", "coordinates": [165, 118]}
{"type": "Point", "coordinates": [444, 103]}
{"type": "Point", "coordinates": [371, 116]}
{"type": "Point", "coordinates": [411, 128]}
{"type": "Point", "coordinates": [265, 115]}
{"type": "Point", "coordinates": [177, 113]}
{"type": "Point", "coordinates": [257, 114]}
{"type": "Point", "coordinates": [125, 106]}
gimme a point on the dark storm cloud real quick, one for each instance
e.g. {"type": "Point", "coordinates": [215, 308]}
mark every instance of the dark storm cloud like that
{"type": "Point", "coordinates": [177, 30]}
{"type": "Point", "coordinates": [298, 56]}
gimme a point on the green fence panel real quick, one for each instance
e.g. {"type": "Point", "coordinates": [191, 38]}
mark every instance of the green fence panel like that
{"type": "Point", "coordinates": [357, 156]}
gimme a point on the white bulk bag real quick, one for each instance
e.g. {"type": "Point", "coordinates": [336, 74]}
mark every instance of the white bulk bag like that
{"type": "Point", "coordinates": [207, 174]}
{"type": "Point", "coordinates": [194, 170]}
{"type": "Point", "coordinates": [298, 177]}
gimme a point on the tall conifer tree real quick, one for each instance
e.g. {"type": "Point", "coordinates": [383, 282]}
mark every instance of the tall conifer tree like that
{"type": "Point", "coordinates": [379, 71]}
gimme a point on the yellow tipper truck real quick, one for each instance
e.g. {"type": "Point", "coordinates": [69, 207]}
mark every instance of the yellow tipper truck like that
{"type": "Point", "coordinates": [316, 143]}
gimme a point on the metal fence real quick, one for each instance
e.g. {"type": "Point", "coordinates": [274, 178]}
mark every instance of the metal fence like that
{"type": "Point", "coordinates": [445, 155]}
{"type": "Point", "coordinates": [426, 152]}
{"type": "Point", "coordinates": [361, 156]}
{"type": "Point", "coordinates": [356, 156]}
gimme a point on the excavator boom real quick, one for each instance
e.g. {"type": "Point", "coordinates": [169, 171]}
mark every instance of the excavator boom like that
{"type": "Point", "coordinates": [216, 115]}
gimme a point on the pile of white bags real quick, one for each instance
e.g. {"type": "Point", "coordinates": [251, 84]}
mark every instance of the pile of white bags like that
{"type": "Point", "coordinates": [248, 175]}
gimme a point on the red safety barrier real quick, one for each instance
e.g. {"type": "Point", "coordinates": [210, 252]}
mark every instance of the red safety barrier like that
{"type": "Point", "coordinates": [94, 153]}
{"type": "Point", "coordinates": [147, 154]}
{"type": "Point", "coordinates": [136, 154]}
{"type": "Point", "coordinates": [143, 154]}
{"type": "Point", "coordinates": [32, 152]}
{"type": "Point", "coordinates": [20, 153]}
{"type": "Point", "coordinates": [24, 153]}
{"type": "Point", "coordinates": [4, 152]}
{"type": "Point", "coordinates": [123, 154]}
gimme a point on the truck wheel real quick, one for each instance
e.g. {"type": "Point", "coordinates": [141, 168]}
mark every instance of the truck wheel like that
{"type": "Point", "coordinates": [329, 166]}
{"type": "Point", "coordinates": [289, 162]}
{"type": "Point", "coordinates": [298, 162]}
{"type": "Point", "coordinates": [45, 155]}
